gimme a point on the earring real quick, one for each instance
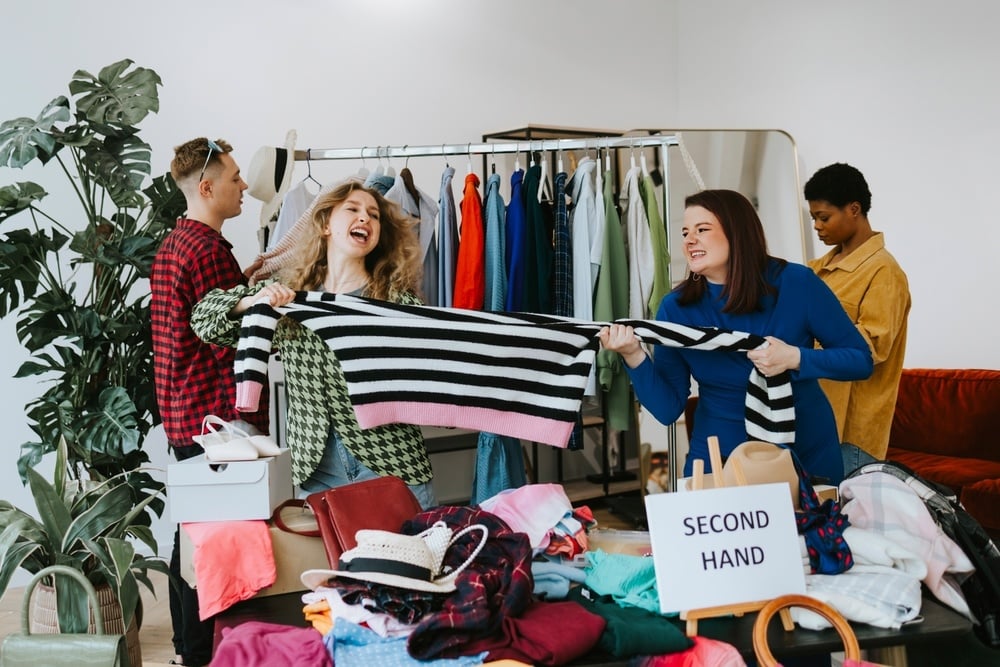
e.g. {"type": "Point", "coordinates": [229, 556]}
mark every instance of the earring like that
{"type": "Point", "coordinates": [695, 277]}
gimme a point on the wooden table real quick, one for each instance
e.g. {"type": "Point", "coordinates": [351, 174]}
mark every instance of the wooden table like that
{"type": "Point", "coordinates": [939, 623]}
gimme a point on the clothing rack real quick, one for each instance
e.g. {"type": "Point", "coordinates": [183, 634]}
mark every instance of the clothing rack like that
{"type": "Point", "coordinates": [528, 147]}
{"type": "Point", "coordinates": [486, 148]}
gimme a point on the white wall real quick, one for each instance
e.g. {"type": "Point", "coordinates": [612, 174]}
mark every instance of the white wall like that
{"type": "Point", "coordinates": [904, 92]}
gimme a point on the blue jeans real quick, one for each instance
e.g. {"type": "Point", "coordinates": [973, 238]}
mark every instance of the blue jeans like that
{"type": "Point", "coordinates": [854, 457]}
{"type": "Point", "coordinates": [339, 466]}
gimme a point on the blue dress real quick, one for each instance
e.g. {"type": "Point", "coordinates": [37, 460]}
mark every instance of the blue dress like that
{"type": "Point", "coordinates": [804, 311]}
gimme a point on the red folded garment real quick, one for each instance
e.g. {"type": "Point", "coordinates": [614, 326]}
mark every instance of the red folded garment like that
{"type": "Point", "coordinates": [232, 561]}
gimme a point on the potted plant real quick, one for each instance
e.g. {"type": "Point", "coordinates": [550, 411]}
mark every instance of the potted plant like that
{"type": "Point", "coordinates": [91, 527]}
{"type": "Point", "coordinates": [76, 282]}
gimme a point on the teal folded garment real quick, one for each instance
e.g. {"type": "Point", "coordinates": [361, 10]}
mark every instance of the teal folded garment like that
{"type": "Point", "coordinates": [631, 631]}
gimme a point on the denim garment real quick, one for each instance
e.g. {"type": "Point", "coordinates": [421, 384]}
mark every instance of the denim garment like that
{"type": "Point", "coordinates": [339, 467]}
{"type": "Point", "coordinates": [854, 457]}
{"type": "Point", "coordinates": [496, 268]}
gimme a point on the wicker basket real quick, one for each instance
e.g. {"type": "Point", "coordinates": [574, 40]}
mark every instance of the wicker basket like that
{"type": "Point", "coordinates": [45, 616]}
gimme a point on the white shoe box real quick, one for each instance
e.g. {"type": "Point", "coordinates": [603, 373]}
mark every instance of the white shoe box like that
{"type": "Point", "coordinates": [198, 490]}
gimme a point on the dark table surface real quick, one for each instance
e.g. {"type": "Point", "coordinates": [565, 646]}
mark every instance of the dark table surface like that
{"type": "Point", "coordinates": [939, 622]}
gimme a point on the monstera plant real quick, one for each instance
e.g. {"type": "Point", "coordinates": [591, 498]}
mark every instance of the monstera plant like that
{"type": "Point", "coordinates": [74, 268]}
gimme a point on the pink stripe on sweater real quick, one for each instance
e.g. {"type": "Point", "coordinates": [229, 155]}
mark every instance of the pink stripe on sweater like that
{"type": "Point", "coordinates": [536, 429]}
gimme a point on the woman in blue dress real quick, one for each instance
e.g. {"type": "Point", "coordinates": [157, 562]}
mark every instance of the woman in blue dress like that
{"type": "Point", "coordinates": [734, 284]}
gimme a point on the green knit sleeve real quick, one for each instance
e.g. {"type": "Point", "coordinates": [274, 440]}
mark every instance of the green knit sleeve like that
{"type": "Point", "coordinates": [210, 318]}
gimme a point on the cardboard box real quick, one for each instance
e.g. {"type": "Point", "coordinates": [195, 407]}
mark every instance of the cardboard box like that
{"type": "Point", "coordinates": [201, 491]}
{"type": "Point", "coordinates": [293, 554]}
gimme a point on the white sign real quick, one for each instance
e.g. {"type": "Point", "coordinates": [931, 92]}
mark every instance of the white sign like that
{"type": "Point", "coordinates": [724, 546]}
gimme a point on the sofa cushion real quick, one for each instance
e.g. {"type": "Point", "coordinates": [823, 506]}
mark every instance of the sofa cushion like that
{"type": "Point", "coordinates": [953, 471]}
{"type": "Point", "coordinates": [951, 412]}
{"type": "Point", "coordinates": [982, 501]}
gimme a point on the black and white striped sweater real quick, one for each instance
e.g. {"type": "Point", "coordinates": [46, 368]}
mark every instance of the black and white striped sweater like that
{"type": "Point", "coordinates": [516, 374]}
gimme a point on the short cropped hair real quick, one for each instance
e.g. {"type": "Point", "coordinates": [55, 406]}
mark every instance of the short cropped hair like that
{"type": "Point", "coordinates": [840, 184]}
{"type": "Point", "coordinates": [189, 157]}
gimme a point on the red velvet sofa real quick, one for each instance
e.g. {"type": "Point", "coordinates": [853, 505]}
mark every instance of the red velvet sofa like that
{"type": "Point", "coordinates": [947, 429]}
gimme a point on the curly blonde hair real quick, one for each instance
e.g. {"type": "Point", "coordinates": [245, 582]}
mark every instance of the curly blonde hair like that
{"type": "Point", "coordinates": [394, 265]}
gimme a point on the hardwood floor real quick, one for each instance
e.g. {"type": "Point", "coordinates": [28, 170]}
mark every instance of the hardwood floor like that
{"type": "Point", "coordinates": [155, 634]}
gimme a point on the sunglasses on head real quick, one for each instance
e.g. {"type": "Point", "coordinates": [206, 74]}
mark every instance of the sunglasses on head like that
{"type": "Point", "coordinates": [212, 146]}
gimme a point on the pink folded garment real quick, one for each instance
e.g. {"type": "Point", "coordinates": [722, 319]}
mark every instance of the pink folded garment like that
{"type": "Point", "coordinates": [232, 561]}
{"type": "Point", "coordinates": [259, 644]}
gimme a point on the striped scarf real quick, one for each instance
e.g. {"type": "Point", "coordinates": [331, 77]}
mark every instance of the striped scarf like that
{"type": "Point", "coordinates": [516, 374]}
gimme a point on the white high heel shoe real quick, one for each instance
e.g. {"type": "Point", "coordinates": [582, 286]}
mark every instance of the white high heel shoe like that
{"type": "Point", "coordinates": [228, 442]}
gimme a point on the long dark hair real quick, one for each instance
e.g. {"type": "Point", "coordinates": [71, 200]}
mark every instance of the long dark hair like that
{"type": "Point", "coordinates": [746, 282]}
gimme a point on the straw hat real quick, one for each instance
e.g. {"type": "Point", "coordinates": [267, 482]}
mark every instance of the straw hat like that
{"type": "Point", "coordinates": [412, 562]}
{"type": "Point", "coordinates": [270, 175]}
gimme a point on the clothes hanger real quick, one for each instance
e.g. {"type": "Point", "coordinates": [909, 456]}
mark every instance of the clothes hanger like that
{"type": "Point", "coordinates": [544, 190]}
{"type": "Point", "coordinates": [379, 169]}
{"type": "Point", "coordinates": [309, 169]}
{"type": "Point", "coordinates": [517, 159]}
{"type": "Point", "coordinates": [468, 166]}
{"type": "Point", "coordinates": [559, 162]}
{"type": "Point", "coordinates": [363, 170]}
{"type": "Point", "coordinates": [446, 165]}
{"type": "Point", "coordinates": [407, 177]}
{"type": "Point", "coordinates": [493, 161]}
{"type": "Point", "coordinates": [642, 161]}
{"type": "Point", "coordinates": [607, 156]}
{"type": "Point", "coordinates": [390, 171]}
{"type": "Point", "coordinates": [631, 152]}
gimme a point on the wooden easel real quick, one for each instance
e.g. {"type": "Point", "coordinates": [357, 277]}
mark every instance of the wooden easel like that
{"type": "Point", "coordinates": [697, 483]}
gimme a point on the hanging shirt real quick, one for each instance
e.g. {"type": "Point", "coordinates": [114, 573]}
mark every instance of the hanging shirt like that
{"type": "Point", "coordinates": [517, 244]}
{"type": "Point", "coordinates": [294, 204]}
{"type": "Point", "coordinates": [447, 240]}
{"type": "Point", "coordinates": [640, 246]}
{"type": "Point", "coordinates": [380, 181]}
{"type": "Point", "coordinates": [516, 374]}
{"type": "Point", "coordinates": [425, 211]}
{"type": "Point", "coordinates": [496, 268]}
{"type": "Point", "coordinates": [658, 244]}
{"type": "Point", "coordinates": [562, 268]}
{"type": "Point", "coordinates": [469, 271]}
{"type": "Point", "coordinates": [585, 231]}
{"type": "Point", "coordinates": [538, 277]}
{"type": "Point", "coordinates": [611, 303]}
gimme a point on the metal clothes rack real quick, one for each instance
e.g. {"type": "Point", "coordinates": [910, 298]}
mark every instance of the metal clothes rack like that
{"type": "Point", "coordinates": [528, 147]}
{"type": "Point", "coordinates": [485, 148]}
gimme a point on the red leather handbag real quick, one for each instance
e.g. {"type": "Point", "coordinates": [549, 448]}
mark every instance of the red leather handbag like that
{"type": "Point", "coordinates": [383, 503]}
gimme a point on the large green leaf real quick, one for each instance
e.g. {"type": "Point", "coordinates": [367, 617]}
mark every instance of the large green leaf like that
{"type": "Point", "coordinates": [51, 508]}
{"type": "Point", "coordinates": [119, 165]}
{"type": "Point", "coordinates": [167, 203]}
{"type": "Point", "coordinates": [18, 197]}
{"type": "Point", "coordinates": [14, 551]}
{"type": "Point", "coordinates": [112, 430]}
{"type": "Point", "coordinates": [24, 139]}
{"type": "Point", "coordinates": [23, 255]}
{"type": "Point", "coordinates": [116, 96]}
{"type": "Point", "coordinates": [52, 418]}
{"type": "Point", "coordinates": [101, 518]}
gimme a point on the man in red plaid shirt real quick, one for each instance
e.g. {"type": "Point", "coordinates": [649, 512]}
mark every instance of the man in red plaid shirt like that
{"type": "Point", "coordinates": [193, 378]}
